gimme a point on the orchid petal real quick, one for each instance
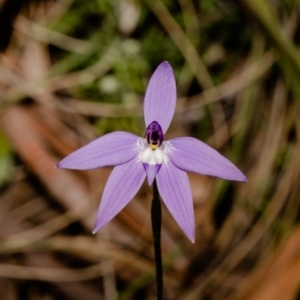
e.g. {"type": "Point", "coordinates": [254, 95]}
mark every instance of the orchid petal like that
{"type": "Point", "coordinates": [122, 185]}
{"type": "Point", "coordinates": [151, 171]}
{"type": "Point", "coordinates": [190, 154]}
{"type": "Point", "coordinates": [109, 150]}
{"type": "Point", "coordinates": [160, 97]}
{"type": "Point", "coordinates": [175, 191]}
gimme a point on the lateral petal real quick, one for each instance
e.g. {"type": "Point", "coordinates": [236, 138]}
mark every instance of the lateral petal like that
{"type": "Point", "coordinates": [190, 154]}
{"type": "Point", "coordinates": [109, 150]}
{"type": "Point", "coordinates": [175, 191]}
{"type": "Point", "coordinates": [160, 97]}
{"type": "Point", "coordinates": [122, 185]}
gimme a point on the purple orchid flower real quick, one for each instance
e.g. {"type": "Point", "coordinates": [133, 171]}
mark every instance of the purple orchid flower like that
{"type": "Point", "coordinates": [135, 158]}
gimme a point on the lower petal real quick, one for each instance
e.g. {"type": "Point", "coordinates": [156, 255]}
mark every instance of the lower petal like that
{"type": "Point", "coordinates": [151, 171]}
{"type": "Point", "coordinates": [122, 185]}
{"type": "Point", "coordinates": [175, 191]}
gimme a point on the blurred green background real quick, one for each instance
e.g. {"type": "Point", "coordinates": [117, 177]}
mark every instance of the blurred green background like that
{"type": "Point", "coordinates": [73, 70]}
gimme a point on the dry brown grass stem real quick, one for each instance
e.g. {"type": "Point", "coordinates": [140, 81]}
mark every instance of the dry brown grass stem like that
{"type": "Point", "coordinates": [49, 274]}
{"type": "Point", "coordinates": [48, 36]}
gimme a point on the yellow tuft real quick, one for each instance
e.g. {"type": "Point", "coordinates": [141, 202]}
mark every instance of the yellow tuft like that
{"type": "Point", "coordinates": [153, 147]}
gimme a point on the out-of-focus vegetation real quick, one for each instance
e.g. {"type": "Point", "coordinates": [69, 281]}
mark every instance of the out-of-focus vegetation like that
{"type": "Point", "coordinates": [72, 70]}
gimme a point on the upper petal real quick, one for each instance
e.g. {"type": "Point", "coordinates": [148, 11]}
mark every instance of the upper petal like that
{"type": "Point", "coordinates": [190, 154]}
{"type": "Point", "coordinates": [175, 190]}
{"type": "Point", "coordinates": [122, 185]}
{"type": "Point", "coordinates": [109, 150]}
{"type": "Point", "coordinates": [160, 98]}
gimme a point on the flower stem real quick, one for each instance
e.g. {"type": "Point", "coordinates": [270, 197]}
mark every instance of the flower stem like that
{"type": "Point", "coordinates": [156, 228]}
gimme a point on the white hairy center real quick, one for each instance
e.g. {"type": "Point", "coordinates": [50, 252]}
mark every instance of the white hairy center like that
{"type": "Point", "coordinates": [153, 157]}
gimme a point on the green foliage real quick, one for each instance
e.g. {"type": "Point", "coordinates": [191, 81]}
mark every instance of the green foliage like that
{"type": "Point", "coordinates": [207, 5]}
{"type": "Point", "coordinates": [6, 159]}
{"type": "Point", "coordinates": [105, 125]}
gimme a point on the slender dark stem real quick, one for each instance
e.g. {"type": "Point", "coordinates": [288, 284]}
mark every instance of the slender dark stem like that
{"type": "Point", "coordinates": [156, 228]}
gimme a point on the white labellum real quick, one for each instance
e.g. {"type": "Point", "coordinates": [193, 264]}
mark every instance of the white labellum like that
{"type": "Point", "coordinates": [152, 157]}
